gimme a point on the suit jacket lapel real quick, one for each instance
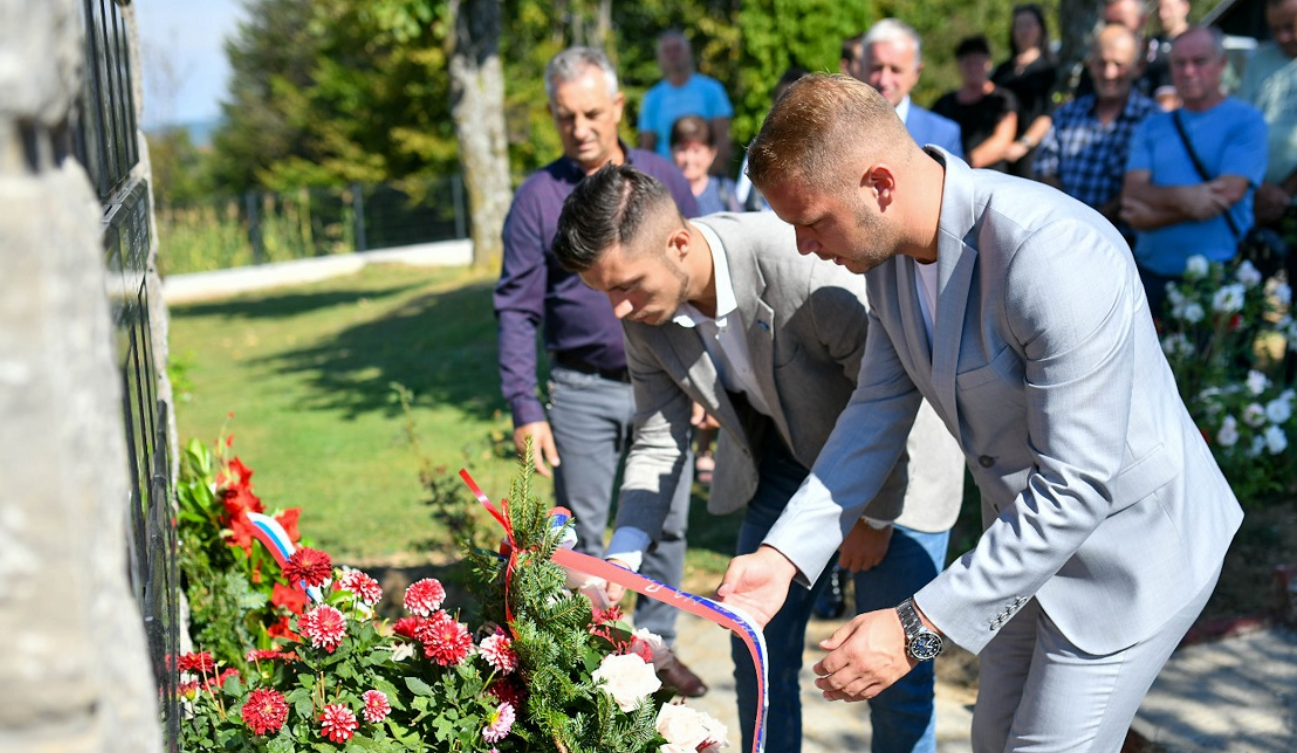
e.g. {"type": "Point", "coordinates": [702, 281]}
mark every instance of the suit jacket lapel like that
{"type": "Point", "coordinates": [956, 260]}
{"type": "Point", "coordinates": [757, 317]}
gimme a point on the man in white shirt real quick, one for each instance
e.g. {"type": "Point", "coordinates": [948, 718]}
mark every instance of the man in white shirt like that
{"type": "Point", "coordinates": [706, 323]}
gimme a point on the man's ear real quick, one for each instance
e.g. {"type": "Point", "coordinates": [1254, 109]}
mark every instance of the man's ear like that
{"type": "Point", "coordinates": [677, 245]}
{"type": "Point", "coordinates": [879, 181]}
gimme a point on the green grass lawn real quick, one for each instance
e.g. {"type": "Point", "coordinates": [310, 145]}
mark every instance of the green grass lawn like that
{"type": "Point", "coordinates": [308, 372]}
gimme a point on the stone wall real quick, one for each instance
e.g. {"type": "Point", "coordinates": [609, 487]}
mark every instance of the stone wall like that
{"type": "Point", "coordinates": [74, 664]}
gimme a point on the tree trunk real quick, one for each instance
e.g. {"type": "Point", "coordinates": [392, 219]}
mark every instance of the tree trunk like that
{"type": "Point", "coordinates": [1077, 21]}
{"type": "Point", "coordinates": [477, 105]}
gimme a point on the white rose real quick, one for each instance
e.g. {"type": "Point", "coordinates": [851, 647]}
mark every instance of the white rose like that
{"type": "Point", "coordinates": [1248, 274]}
{"type": "Point", "coordinates": [1254, 415]}
{"type": "Point", "coordinates": [1193, 313]}
{"type": "Point", "coordinates": [1258, 445]}
{"type": "Point", "coordinates": [1256, 382]}
{"type": "Point", "coordinates": [628, 679]}
{"type": "Point", "coordinates": [1282, 293]}
{"type": "Point", "coordinates": [1195, 266]}
{"type": "Point", "coordinates": [1228, 299]}
{"type": "Point", "coordinates": [1288, 396]}
{"type": "Point", "coordinates": [1275, 440]}
{"type": "Point", "coordinates": [659, 652]}
{"type": "Point", "coordinates": [1174, 295]}
{"type": "Point", "coordinates": [1278, 410]}
{"type": "Point", "coordinates": [683, 726]}
{"type": "Point", "coordinates": [1228, 434]}
{"type": "Point", "coordinates": [669, 748]}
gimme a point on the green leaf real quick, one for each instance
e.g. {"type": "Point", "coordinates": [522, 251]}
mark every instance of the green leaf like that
{"type": "Point", "coordinates": [418, 687]}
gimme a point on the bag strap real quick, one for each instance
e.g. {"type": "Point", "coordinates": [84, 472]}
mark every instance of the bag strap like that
{"type": "Point", "coordinates": [1202, 171]}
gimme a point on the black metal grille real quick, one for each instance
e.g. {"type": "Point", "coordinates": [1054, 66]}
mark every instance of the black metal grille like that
{"type": "Point", "coordinates": [105, 144]}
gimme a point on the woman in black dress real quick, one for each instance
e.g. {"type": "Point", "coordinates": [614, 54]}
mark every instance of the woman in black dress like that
{"type": "Point", "coordinates": [985, 112]}
{"type": "Point", "coordinates": [1030, 73]}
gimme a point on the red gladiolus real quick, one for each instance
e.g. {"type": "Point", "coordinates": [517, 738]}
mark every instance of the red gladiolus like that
{"type": "Point", "coordinates": [288, 520]}
{"type": "Point", "coordinates": [292, 599]}
{"type": "Point", "coordinates": [200, 662]}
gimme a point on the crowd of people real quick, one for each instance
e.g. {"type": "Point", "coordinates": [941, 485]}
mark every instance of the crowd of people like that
{"type": "Point", "coordinates": [648, 272]}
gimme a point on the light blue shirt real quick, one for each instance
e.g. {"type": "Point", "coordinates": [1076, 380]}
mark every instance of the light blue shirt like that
{"type": "Point", "coordinates": [1230, 139]}
{"type": "Point", "coordinates": [664, 104]}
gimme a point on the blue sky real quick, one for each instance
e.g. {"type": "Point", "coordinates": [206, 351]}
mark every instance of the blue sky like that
{"type": "Point", "coordinates": [184, 66]}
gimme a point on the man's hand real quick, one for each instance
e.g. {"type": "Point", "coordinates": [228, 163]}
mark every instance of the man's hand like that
{"type": "Point", "coordinates": [865, 657]}
{"type": "Point", "coordinates": [612, 591]}
{"type": "Point", "coordinates": [701, 419]}
{"type": "Point", "coordinates": [542, 446]}
{"type": "Point", "coordinates": [864, 547]}
{"type": "Point", "coordinates": [1270, 203]}
{"type": "Point", "coordinates": [1203, 201]}
{"type": "Point", "coordinates": [757, 583]}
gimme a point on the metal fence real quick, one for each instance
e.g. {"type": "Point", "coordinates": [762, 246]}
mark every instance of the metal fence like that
{"type": "Point", "coordinates": [104, 141]}
{"type": "Point", "coordinates": [261, 227]}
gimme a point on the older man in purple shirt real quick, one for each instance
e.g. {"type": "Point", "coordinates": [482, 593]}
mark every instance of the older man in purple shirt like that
{"type": "Point", "coordinates": [591, 406]}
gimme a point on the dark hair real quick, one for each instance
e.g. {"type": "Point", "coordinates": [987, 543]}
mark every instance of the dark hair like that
{"type": "Point", "coordinates": [691, 128]}
{"type": "Point", "coordinates": [605, 209]}
{"type": "Point", "coordinates": [792, 74]}
{"type": "Point", "coordinates": [1045, 51]}
{"type": "Point", "coordinates": [972, 46]}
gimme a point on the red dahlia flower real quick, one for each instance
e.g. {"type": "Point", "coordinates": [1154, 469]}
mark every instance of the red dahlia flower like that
{"type": "Point", "coordinates": [265, 711]}
{"type": "Point", "coordinates": [325, 626]}
{"type": "Point", "coordinates": [376, 706]}
{"type": "Point", "coordinates": [446, 641]}
{"type": "Point", "coordinates": [310, 565]}
{"type": "Point", "coordinates": [338, 723]}
{"type": "Point", "coordinates": [424, 597]}
{"type": "Point", "coordinates": [498, 651]}
{"type": "Point", "coordinates": [364, 587]}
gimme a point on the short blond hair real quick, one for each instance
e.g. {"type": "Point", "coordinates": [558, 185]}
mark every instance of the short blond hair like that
{"type": "Point", "coordinates": [819, 121]}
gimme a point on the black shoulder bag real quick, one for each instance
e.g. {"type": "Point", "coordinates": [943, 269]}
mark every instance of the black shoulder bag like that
{"type": "Point", "coordinates": [1264, 248]}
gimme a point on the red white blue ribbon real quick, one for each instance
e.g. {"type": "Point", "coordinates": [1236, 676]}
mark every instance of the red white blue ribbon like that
{"type": "Point", "coordinates": [268, 531]}
{"type": "Point", "coordinates": [699, 606]}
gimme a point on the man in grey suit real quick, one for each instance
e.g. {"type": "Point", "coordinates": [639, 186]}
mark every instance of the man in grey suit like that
{"type": "Point", "coordinates": [1018, 313]}
{"type": "Point", "coordinates": [723, 313]}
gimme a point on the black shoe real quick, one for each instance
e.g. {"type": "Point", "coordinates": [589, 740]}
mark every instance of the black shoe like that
{"type": "Point", "coordinates": [832, 602]}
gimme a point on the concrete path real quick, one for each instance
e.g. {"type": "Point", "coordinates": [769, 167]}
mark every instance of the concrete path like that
{"type": "Point", "coordinates": [207, 285]}
{"type": "Point", "coordinates": [1235, 695]}
{"type": "Point", "coordinates": [829, 727]}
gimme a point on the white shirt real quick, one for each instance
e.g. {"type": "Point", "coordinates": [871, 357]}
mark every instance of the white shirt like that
{"type": "Point", "coordinates": [727, 345]}
{"type": "Point", "coordinates": [903, 109]}
{"type": "Point", "coordinates": [925, 282]}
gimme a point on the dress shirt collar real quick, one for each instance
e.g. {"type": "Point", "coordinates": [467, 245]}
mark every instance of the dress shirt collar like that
{"type": "Point", "coordinates": [726, 302]}
{"type": "Point", "coordinates": [903, 109]}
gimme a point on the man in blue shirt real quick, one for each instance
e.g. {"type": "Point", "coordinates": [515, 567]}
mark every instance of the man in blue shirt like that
{"type": "Point", "coordinates": [591, 406]}
{"type": "Point", "coordinates": [890, 58]}
{"type": "Point", "coordinates": [1177, 210]}
{"type": "Point", "coordinates": [683, 92]}
{"type": "Point", "coordinates": [1084, 153]}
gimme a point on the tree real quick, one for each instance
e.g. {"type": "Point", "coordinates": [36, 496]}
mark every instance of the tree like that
{"type": "Point", "coordinates": [477, 104]}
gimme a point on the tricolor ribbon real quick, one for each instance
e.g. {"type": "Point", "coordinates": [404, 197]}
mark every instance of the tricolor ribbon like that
{"type": "Point", "coordinates": [268, 531]}
{"type": "Point", "coordinates": [699, 606]}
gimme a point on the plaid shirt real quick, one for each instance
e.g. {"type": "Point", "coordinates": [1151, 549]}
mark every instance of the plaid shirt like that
{"type": "Point", "coordinates": [1089, 157]}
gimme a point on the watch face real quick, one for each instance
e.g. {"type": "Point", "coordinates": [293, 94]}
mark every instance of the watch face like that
{"type": "Point", "coordinates": [926, 646]}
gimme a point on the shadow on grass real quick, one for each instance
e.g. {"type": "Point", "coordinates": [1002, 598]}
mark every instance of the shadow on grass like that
{"type": "Point", "coordinates": [284, 305]}
{"type": "Point", "coordinates": [441, 346]}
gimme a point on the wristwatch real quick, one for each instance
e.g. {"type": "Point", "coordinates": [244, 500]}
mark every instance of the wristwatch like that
{"type": "Point", "coordinates": [920, 642]}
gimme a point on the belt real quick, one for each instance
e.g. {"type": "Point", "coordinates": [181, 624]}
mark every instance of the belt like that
{"type": "Point", "coordinates": [568, 361]}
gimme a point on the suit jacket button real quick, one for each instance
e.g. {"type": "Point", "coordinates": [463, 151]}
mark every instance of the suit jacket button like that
{"type": "Point", "coordinates": [986, 461]}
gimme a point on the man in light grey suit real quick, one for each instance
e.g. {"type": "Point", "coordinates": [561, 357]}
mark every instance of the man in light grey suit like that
{"type": "Point", "coordinates": [1018, 313]}
{"type": "Point", "coordinates": [723, 312]}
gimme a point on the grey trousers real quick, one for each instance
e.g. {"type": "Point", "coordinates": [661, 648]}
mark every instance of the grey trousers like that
{"type": "Point", "coordinates": [591, 420]}
{"type": "Point", "coordinates": [1039, 693]}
